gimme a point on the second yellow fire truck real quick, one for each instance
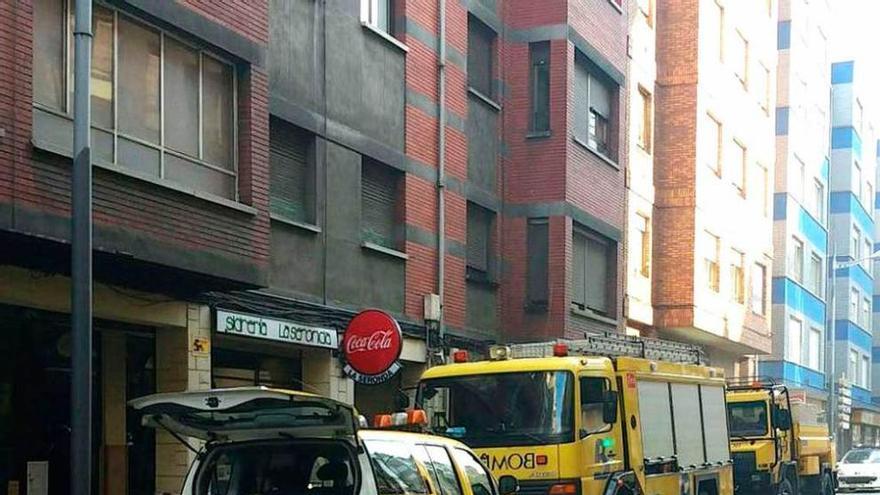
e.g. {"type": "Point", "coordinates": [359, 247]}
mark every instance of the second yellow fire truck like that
{"type": "Point", "coordinates": [606, 415]}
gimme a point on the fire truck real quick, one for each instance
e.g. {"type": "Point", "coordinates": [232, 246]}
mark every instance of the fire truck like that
{"type": "Point", "coordinates": [608, 414]}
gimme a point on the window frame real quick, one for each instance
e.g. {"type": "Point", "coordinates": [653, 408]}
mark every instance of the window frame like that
{"type": "Point", "coordinates": [611, 247]}
{"type": "Point", "coordinates": [160, 148]}
{"type": "Point", "coordinates": [815, 350]}
{"type": "Point", "coordinates": [761, 270]}
{"type": "Point", "coordinates": [643, 228]}
{"type": "Point", "coordinates": [790, 354]}
{"type": "Point", "coordinates": [311, 176]}
{"type": "Point", "coordinates": [716, 163]}
{"type": "Point", "coordinates": [737, 277]}
{"type": "Point", "coordinates": [370, 15]}
{"type": "Point", "coordinates": [645, 129]}
{"type": "Point", "coordinates": [712, 266]}
{"type": "Point", "coordinates": [398, 227]}
{"type": "Point", "coordinates": [475, 24]}
{"type": "Point", "coordinates": [797, 271]}
{"type": "Point", "coordinates": [475, 273]}
{"type": "Point", "coordinates": [741, 177]}
{"type": "Point", "coordinates": [742, 65]}
{"type": "Point", "coordinates": [536, 50]}
{"type": "Point", "coordinates": [815, 278]}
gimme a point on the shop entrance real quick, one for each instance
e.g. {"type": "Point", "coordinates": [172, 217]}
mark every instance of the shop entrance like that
{"type": "Point", "coordinates": [35, 383]}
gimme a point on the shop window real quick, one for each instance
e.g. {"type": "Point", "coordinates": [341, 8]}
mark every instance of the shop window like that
{"type": "Point", "coordinates": [166, 110]}
{"type": "Point", "coordinates": [481, 57]}
{"type": "Point", "coordinates": [292, 172]}
{"type": "Point", "coordinates": [380, 203]}
{"type": "Point", "coordinates": [538, 253]}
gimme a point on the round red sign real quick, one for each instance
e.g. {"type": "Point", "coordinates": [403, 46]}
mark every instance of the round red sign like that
{"type": "Point", "coordinates": [371, 345]}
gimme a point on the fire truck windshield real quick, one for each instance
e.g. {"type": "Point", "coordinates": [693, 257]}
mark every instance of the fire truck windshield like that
{"type": "Point", "coordinates": [503, 409]}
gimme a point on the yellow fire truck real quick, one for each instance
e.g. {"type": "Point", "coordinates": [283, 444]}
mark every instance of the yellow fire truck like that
{"type": "Point", "coordinates": [606, 415]}
{"type": "Point", "coordinates": [777, 448]}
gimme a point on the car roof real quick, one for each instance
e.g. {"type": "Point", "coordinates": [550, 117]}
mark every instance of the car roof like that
{"type": "Point", "coordinates": [410, 437]}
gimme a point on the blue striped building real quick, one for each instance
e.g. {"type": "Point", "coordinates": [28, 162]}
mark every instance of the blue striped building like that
{"type": "Point", "coordinates": [800, 203]}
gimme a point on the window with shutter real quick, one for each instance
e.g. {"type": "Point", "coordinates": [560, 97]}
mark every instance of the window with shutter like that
{"type": "Point", "coordinates": [479, 241]}
{"type": "Point", "coordinates": [539, 54]}
{"type": "Point", "coordinates": [537, 251]}
{"type": "Point", "coordinates": [379, 222]}
{"type": "Point", "coordinates": [292, 185]}
{"type": "Point", "coordinates": [591, 274]}
{"type": "Point", "coordinates": [481, 55]}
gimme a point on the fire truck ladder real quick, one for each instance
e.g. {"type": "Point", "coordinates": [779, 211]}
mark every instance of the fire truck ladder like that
{"type": "Point", "coordinates": [615, 345]}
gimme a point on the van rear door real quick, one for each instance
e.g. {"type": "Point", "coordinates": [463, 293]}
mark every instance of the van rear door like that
{"type": "Point", "coordinates": [248, 413]}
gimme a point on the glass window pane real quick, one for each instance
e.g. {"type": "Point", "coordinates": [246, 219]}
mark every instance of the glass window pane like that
{"type": "Point", "coordinates": [102, 68]}
{"type": "Point", "coordinates": [181, 98]}
{"type": "Point", "coordinates": [138, 157]}
{"type": "Point", "coordinates": [49, 51]}
{"type": "Point", "coordinates": [138, 81]}
{"type": "Point", "coordinates": [479, 478]}
{"type": "Point", "coordinates": [102, 146]}
{"type": "Point", "coordinates": [395, 469]}
{"type": "Point", "coordinates": [218, 109]}
{"type": "Point", "coordinates": [199, 177]}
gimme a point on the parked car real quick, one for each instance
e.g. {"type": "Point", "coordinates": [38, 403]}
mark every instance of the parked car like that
{"type": "Point", "coordinates": [859, 470]}
{"type": "Point", "coordinates": [269, 441]}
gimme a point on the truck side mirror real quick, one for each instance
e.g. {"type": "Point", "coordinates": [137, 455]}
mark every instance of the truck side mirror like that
{"type": "Point", "coordinates": [401, 401]}
{"type": "Point", "coordinates": [609, 407]}
{"type": "Point", "coordinates": [781, 418]}
{"type": "Point", "coordinates": [507, 485]}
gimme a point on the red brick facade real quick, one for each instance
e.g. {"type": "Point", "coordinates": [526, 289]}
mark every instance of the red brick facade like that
{"type": "Point", "coordinates": [532, 172]}
{"type": "Point", "coordinates": [153, 220]}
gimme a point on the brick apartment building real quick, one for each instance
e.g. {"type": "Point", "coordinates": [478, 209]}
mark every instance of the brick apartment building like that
{"type": "Point", "coordinates": [280, 161]}
{"type": "Point", "coordinates": [713, 163]}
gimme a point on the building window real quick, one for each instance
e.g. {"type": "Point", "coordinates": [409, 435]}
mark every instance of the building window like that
{"type": "Point", "coordinates": [643, 238]}
{"type": "Point", "coordinates": [380, 205]}
{"type": "Point", "coordinates": [815, 350]}
{"type": "Point", "coordinates": [644, 110]}
{"type": "Point", "coordinates": [858, 116]}
{"type": "Point", "coordinates": [866, 313]}
{"type": "Point", "coordinates": [593, 277]}
{"type": "Point", "coordinates": [539, 54]}
{"type": "Point", "coordinates": [740, 57]}
{"type": "Point", "coordinates": [291, 172]}
{"type": "Point", "coordinates": [594, 103]}
{"type": "Point", "coordinates": [865, 372]}
{"type": "Point", "coordinates": [795, 336]}
{"type": "Point", "coordinates": [856, 243]}
{"type": "Point", "coordinates": [765, 87]}
{"type": "Point", "coordinates": [759, 289]}
{"type": "Point", "coordinates": [866, 255]}
{"type": "Point", "coordinates": [737, 277]}
{"type": "Point", "coordinates": [481, 57]}
{"type": "Point", "coordinates": [798, 180]}
{"type": "Point", "coordinates": [714, 144]}
{"type": "Point", "coordinates": [854, 298]}
{"type": "Point", "coordinates": [819, 200]}
{"type": "Point", "coordinates": [718, 13]}
{"type": "Point", "coordinates": [739, 162]}
{"type": "Point", "coordinates": [712, 250]}
{"type": "Point", "coordinates": [796, 262]}
{"type": "Point", "coordinates": [166, 108]}
{"type": "Point", "coordinates": [857, 179]}
{"type": "Point", "coordinates": [480, 224]}
{"type": "Point", "coordinates": [814, 275]}
{"type": "Point", "coordinates": [379, 14]}
{"type": "Point", "coordinates": [646, 7]}
{"type": "Point", "coordinates": [762, 185]}
{"type": "Point", "coordinates": [538, 253]}
{"type": "Point", "coordinates": [853, 366]}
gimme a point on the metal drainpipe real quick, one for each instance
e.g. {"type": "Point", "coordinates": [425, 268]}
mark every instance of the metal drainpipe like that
{"type": "Point", "coordinates": [830, 291]}
{"type": "Point", "coordinates": [441, 166]}
{"type": "Point", "coordinates": [81, 258]}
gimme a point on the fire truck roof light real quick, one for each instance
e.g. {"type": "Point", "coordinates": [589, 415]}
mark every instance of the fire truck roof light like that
{"type": "Point", "coordinates": [560, 350]}
{"type": "Point", "coordinates": [460, 356]}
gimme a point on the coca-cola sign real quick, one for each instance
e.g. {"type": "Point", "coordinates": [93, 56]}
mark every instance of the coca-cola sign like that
{"type": "Point", "coordinates": [371, 347]}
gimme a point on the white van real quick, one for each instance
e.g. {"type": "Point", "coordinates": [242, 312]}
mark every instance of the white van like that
{"type": "Point", "coordinates": [270, 441]}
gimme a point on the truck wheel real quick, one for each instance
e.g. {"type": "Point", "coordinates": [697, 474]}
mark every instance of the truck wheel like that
{"type": "Point", "coordinates": [827, 487]}
{"type": "Point", "coordinates": [784, 488]}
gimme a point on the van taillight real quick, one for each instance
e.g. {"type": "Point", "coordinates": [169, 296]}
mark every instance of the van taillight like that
{"type": "Point", "coordinates": [563, 489]}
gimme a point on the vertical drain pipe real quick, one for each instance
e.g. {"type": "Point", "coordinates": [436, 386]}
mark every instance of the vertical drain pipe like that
{"type": "Point", "coordinates": [441, 167]}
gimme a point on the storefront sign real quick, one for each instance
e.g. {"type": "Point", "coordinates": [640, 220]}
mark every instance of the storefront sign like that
{"type": "Point", "coordinates": [371, 346]}
{"type": "Point", "coordinates": [278, 330]}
